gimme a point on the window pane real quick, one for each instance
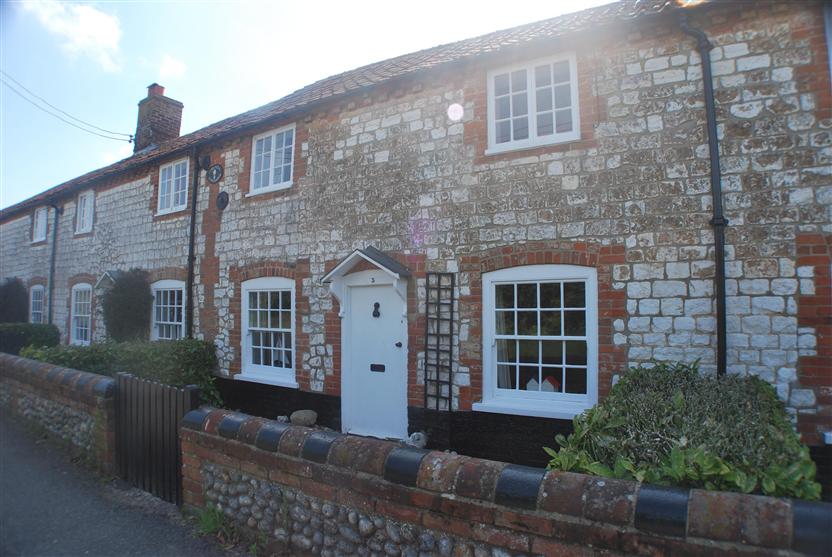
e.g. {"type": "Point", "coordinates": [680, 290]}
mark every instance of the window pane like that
{"type": "Point", "coordinates": [542, 75]}
{"type": "Point", "coordinates": [575, 380]}
{"type": "Point", "coordinates": [574, 294]}
{"type": "Point", "coordinates": [502, 108]}
{"type": "Point", "coordinates": [552, 351]}
{"type": "Point", "coordinates": [527, 323]}
{"type": "Point", "coordinates": [504, 295]}
{"type": "Point", "coordinates": [501, 84]}
{"type": "Point", "coordinates": [518, 81]}
{"type": "Point", "coordinates": [550, 323]}
{"type": "Point", "coordinates": [286, 299]}
{"type": "Point", "coordinates": [544, 99]}
{"type": "Point", "coordinates": [286, 319]}
{"type": "Point", "coordinates": [503, 131]}
{"type": "Point", "coordinates": [529, 351]}
{"type": "Point", "coordinates": [563, 121]}
{"type": "Point", "coordinates": [545, 124]}
{"type": "Point", "coordinates": [561, 71]}
{"type": "Point", "coordinates": [519, 105]}
{"type": "Point", "coordinates": [563, 96]}
{"type": "Point", "coordinates": [574, 323]}
{"type": "Point", "coordinates": [506, 351]}
{"type": "Point", "coordinates": [527, 295]}
{"type": "Point", "coordinates": [529, 378]}
{"type": "Point", "coordinates": [576, 352]}
{"type": "Point", "coordinates": [505, 322]}
{"type": "Point", "coordinates": [520, 127]}
{"type": "Point", "coordinates": [550, 295]}
{"type": "Point", "coordinates": [552, 377]}
{"type": "Point", "coordinates": [506, 377]}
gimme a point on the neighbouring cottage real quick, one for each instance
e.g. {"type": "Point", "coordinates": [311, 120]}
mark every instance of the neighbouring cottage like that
{"type": "Point", "coordinates": [475, 239]}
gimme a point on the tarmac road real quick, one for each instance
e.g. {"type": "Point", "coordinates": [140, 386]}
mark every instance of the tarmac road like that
{"type": "Point", "coordinates": [50, 506]}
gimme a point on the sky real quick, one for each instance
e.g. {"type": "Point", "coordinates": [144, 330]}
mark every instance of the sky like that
{"type": "Point", "coordinates": [94, 61]}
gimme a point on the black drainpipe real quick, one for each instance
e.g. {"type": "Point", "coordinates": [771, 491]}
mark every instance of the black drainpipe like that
{"type": "Point", "coordinates": [58, 211]}
{"type": "Point", "coordinates": [719, 222]}
{"type": "Point", "coordinates": [189, 288]}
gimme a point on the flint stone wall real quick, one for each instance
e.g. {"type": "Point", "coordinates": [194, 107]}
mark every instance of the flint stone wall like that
{"type": "Point", "coordinates": [75, 406]}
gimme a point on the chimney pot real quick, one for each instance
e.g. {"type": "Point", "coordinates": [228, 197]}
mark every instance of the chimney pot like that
{"type": "Point", "coordinates": [159, 120]}
{"type": "Point", "coordinates": [155, 90]}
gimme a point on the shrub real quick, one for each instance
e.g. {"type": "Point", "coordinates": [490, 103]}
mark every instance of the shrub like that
{"type": "Point", "coordinates": [14, 336]}
{"type": "Point", "coordinates": [127, 306]}
{"type": "Point", "coordinates": [670, 425]}
{"type": "Point", "coordinates": [174, 362]}
{"type": "Point", "coordinates": [14, 301]}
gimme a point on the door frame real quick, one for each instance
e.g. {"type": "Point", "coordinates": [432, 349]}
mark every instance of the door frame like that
{"type": "Point", "coordinates": [369, 278]}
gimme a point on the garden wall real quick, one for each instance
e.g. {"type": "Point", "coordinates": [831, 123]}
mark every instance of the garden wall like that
{"type": "Point", "coordinates": [76, 406]}
{"type": "Point", "coordinates": [322, 493]}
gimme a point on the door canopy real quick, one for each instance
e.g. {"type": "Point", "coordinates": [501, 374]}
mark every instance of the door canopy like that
{"type": "Point", "coordinates": [397, 273]}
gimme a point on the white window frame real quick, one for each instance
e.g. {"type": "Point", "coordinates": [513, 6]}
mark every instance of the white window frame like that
{"type": "Point", "coordinates": [84, 212]}
{"type": "Point", "coordinates": [174, 207]}
{"type": "Point", "coordinates": [284, 377]}
{"type": "Point", "coordinates": [157, 287]}
{"type": "Point", "coordinates": [73, 315]}
{"type": "Point", "coordinates": [42, 291]}
{"type": "Point", "coordinates": [40, 224]}
{"type": "Point", "coordinates": [272, 186]}
{"type": "Point", "coordinates": [541, 404]}
{"type": "Point", "coordinates": [533, 141]}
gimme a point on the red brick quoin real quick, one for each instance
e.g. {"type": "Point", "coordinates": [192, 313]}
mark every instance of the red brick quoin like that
{"type": "Point", "coordinates": [815, 310]}
{"type": "Point", "coordinates": [612, 304]}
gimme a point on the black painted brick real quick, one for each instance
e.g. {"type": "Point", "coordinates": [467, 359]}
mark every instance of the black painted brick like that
{"type": "Point", "coordinates": [195, 418]}
{"type": "Point", "coordinates": [662, 510]}
{"type": "Point", "coordinates": [268, 438]}
{"type": "Point", "coordinates": [316, 447]}
{"type": "Point", "coordinates": [812, 527]}
{"type": "Point", "coordinates": [518, 486]}
{"type": "Point", "coordinates": [402, 465]}
{"type": "Point", "coordinates": [230, 425]}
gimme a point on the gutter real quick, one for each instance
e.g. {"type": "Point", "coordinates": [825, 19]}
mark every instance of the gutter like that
{"type": "Point", "coordinates": [52, 256]}
{"type": "Point", "coordinates": [189, 287]}
{"type": "Point", "coordinates": [719, 222]}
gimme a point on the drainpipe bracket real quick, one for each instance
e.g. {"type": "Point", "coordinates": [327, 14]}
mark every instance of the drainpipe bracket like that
{"type": "Point", "coordinates": [719, 221]}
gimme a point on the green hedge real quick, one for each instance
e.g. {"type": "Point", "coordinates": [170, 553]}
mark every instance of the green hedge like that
{"type": "Point", "coordinates": [671, 425]}
{"type": "Point", "coordinates": [174, 362]}
{"type": "Point", "coordinates": [14, 336]}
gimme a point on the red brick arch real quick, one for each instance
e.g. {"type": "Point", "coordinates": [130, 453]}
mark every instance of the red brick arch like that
{"type": "Point", "coordinates": [612, 303]}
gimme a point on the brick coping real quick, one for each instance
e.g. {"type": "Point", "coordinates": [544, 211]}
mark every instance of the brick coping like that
{"type": "Point", "coordinates": [689, 516]}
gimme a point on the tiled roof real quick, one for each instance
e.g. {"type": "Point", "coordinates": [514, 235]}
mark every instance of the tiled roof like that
{"type": "Point", "coordinates": [367, 76]}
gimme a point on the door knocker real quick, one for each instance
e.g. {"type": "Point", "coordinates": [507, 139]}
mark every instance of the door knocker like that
{"type": "Point", "coordinates": [375, 309]}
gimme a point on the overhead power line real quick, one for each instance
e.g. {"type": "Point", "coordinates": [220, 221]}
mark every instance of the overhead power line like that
{"type": "Point", "coordinates": [6, 78]}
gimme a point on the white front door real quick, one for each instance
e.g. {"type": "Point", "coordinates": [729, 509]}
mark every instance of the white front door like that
{"type": "Point", "coordinates": [374, 370]}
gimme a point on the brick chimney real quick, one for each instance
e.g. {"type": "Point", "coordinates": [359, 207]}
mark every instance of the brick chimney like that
{"type": "Point", "coordinates": [159, 118]}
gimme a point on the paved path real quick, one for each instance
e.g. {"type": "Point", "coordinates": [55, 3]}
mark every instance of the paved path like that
{"type": "Point", "coordinates": [51, 506]}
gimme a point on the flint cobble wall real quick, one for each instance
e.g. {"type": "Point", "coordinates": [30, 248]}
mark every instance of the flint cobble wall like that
{"type": "Point", "coordinates": [74, 406]}
{"type": "Point", "coordinates": [318, 493]}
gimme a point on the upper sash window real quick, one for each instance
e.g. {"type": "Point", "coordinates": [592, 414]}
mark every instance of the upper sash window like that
{"type": "Point", "coordinates": [533, 104]}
